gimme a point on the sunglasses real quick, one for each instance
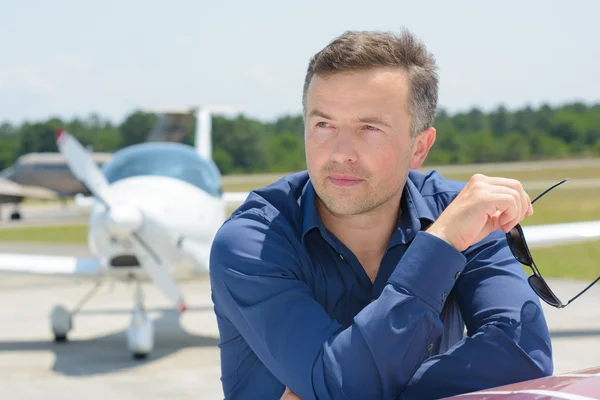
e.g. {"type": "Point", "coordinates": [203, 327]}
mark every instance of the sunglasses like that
{"type": "Point", "coordinates": [519, 248]}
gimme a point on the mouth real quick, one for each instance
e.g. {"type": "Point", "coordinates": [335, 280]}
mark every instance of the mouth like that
{"type": "Point", "coordinates": [344, 180]}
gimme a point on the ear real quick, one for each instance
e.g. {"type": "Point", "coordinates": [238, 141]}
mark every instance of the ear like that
{"type": "Point", "coordinates": [420, 148]}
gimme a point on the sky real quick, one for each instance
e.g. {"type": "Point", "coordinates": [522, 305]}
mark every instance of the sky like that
{"type": "Point", "coordinates": [70, 58]}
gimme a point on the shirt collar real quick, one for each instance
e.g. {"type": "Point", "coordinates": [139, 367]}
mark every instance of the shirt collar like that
{"type": "Point", "coordinates": [415, 212]}
{"type": "Point", "coordinates": [310, 216]}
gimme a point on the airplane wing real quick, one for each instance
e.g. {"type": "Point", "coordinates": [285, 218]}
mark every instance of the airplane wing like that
{"type": "Point", "coordinates": [49, 265]}
{"type": "Point", "coordinates": [11, 192]}
{"type": "Point", "coordinates": [557, 234]}
{"type": "Point", "coordinates": [235, 197]}
{"type": "Point", "coordinates": [536, 236]}
{"type": "Point", "coordinates": [231, 198]}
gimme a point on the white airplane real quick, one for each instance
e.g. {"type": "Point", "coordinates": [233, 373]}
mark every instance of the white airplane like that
{"type": "Point", "coordinates": [155, 210]}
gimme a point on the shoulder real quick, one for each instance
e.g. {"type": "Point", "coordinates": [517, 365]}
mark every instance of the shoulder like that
{"type": "Point", "coordinates": [262, 229]}
{"type": "Point", "coordinates": [277, 201]}
{"type": "Point", "coordinates": [436, 191]}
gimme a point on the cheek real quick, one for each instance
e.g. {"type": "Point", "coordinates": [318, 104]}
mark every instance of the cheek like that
{"type": "Point", "coordinates": [388, 158]}
{"type": "Point", "coordinates": [317, 148]}
{"type": "Point", "coordinates": [316, 153]}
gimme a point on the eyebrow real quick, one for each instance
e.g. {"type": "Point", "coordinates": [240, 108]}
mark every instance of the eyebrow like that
{"type": "Point", "coordinates": [318, 113]}
{"type": "Point", "coordinates": [374, 120]}
{"type": "Point", "coordinates": [365, 120]}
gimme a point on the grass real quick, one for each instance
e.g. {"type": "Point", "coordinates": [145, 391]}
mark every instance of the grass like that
{"type": "Point", "coordinates": [542, 171]}
{"type": "Point", "coordinates": [574, 261]}
{"type": "Point", "coordinates": [533, 175]}
{"type": "Point", "coordinates": [566, 203]}
{"type": "Point", "coordinates": [49, 234]}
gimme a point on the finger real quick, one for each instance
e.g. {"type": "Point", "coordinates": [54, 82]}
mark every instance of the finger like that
{"type": "Point", "coordinates": [508, 206]}
{"type": "Point", "coordinates": [525, 201]}
{"type": "Point", "coordinates": [522, 196]}
{"type": "Point", "coordinates": [529, 206]}
{"type": "Point", "coordinates": [503, 199]}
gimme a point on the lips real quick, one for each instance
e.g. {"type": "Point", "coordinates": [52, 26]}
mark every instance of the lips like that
{"type": "Point", "coordinates": [344, 180]}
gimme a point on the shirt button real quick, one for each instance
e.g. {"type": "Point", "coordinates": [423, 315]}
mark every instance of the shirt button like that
{"type": "Point", "coordinates": [342, 257]}
{"type": "Point", "coordinates": [457, 275]}
{"type": "Point", "coordinates": [444, 297]}
{"type": "Point", "coordinates": [429, 346]}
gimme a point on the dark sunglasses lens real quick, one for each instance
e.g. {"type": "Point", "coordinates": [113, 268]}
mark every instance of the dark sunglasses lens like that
{"type": "Point", "coordinates": [516, 244]}
{"type": "Point", "coordinates": [543, 291]}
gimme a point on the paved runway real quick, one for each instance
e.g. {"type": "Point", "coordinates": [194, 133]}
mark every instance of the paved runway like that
{"type": "Point", "coordinates": [95, 364]}
{"type": "Point", "coordinates": [43, 214]}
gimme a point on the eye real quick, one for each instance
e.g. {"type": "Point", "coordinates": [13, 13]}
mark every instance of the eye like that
{"type": "Point", "coordinates": [322, 124]}
{"type": "Point", "coordinates": [370, 128]}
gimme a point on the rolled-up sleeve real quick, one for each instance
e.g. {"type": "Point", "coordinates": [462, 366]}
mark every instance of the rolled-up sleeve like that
{"type": "Point", "coordinates": [258, 285]}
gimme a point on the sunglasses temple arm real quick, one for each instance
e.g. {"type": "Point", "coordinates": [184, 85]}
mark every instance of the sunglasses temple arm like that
{"type": "Point", "coordinates": [549, 189]}
{"type": "Point", "coordinates": [583, 291]}
{"type": "Point", "coordinates": [534, 267]}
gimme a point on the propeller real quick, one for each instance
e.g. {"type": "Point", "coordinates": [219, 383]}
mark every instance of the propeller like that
{"type": "Point", "coordinates": [156, 248]}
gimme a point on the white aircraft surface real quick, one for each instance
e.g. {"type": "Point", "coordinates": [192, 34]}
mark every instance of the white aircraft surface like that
{"type": "Point", "coordinates": [155, 210]}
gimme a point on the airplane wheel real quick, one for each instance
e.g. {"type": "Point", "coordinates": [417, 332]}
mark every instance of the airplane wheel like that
{"type": "Point", "coordinates": [140, 356]}
{"type": "Point", "coordinates": [60, 338]}
{"type": "Point", "coordinates": [15, 216]}
{"type": "Point", "coordinates": [61, 322]}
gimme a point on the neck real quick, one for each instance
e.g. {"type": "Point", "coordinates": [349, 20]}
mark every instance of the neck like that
{"type": "Point", "coordinates": [364, 234]}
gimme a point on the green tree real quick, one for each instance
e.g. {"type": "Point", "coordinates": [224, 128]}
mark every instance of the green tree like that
{"type": "Point", "coordinates": [136, 127]}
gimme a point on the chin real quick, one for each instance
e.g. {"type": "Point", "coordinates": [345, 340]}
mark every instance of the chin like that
{"type": "Point", "coordinates": [347, 206]}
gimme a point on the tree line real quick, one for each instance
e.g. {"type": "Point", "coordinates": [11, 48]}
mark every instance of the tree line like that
{"type": "Point", "coordinates": [246, 145]}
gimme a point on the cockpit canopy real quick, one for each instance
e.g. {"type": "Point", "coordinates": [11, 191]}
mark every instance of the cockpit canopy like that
{"type": "Point", "coordinates": [174, 160]}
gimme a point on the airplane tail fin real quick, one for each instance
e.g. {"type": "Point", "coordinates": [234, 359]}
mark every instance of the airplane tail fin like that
{"type": "Point", "coordinates": [172, 125]}
{"type": "Point", "coordinates": [203, 134]}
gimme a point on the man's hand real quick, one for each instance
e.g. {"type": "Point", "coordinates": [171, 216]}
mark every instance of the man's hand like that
{"type": "Point", "coordinates": [289, 395]}
{"type": "Point", "coordinates": [484, 205]}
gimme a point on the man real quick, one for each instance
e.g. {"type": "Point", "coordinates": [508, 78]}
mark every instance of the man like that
{"type": "Point", "coordinates": [355, 279]}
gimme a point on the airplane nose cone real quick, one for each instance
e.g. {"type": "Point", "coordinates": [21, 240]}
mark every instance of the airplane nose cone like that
{"type": "Point", "coordinates": [123, 219]}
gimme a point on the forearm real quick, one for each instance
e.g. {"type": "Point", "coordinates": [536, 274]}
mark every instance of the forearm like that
{"type": "Point", "coordinates": [508, 339]}
{"type": "Point", "coordinates": [496, 355]}
{"type": "Point", "coordinates": [375, 356]}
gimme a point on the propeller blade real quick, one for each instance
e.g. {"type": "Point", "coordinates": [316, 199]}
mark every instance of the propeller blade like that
{"type": "Point", "coordinates": [157, 251]}
{"type": "Point", "coordinates": [154, 246]}
{"type": "Point", "coordinates": [82, 166]}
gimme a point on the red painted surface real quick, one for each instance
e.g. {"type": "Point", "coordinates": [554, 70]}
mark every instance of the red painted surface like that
{"type": "Point", "coordinates": [588, 386]}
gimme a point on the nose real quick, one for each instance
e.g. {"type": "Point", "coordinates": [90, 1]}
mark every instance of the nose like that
{"type": "Point", "coordinates": [344, 148]}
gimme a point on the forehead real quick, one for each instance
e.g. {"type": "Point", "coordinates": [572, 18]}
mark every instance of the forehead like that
{"type": "Point", "coordinates": [384, 89]}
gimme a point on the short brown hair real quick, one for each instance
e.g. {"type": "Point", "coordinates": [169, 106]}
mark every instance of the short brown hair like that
{"type": "Point", "coordinates": [362, 50]}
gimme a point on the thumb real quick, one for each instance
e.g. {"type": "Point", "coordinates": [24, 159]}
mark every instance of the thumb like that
{"type": "Point", "coordinates": [495, 221]}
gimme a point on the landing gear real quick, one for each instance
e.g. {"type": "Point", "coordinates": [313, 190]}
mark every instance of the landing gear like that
{"type": "Point", "coordinates": [62, 323]}
{"type": "Point", "coordinates": [15, 215]}
{"type": "Point", "coordinates": [61, 319]}
{"type": "Point", "coordinates": [140, 336]}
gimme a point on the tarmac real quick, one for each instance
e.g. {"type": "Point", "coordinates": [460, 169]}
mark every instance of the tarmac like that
{"type": "Point", "coordinates": [95, 362]}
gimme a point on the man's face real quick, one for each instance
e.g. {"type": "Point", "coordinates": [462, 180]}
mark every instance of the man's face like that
{"type": "Point", "coordinates": [357, 138]}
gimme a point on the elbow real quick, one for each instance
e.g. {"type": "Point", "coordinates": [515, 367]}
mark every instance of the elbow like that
{"type": "Point", "coordinates": [531, 354]}
{"type": "Point", "coordinates": [543, 364]}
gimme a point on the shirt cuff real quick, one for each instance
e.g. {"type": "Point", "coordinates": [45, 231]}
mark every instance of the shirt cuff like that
{"type": "Point", "coordinates": [429, 269]}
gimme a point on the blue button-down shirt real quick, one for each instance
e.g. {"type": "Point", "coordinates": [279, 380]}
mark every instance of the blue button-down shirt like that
{"type": "Point", "coordinates": [295, 308]}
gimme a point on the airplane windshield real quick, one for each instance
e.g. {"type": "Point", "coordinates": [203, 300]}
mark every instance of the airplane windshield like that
{"type": "Point", "coordinates": [174, 160]}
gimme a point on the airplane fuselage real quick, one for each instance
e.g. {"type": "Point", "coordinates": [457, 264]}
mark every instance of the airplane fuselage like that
{"type": "Point", "coordinates": [49, 171]}
{"type": "Point", "coordinates": [191, 216]}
